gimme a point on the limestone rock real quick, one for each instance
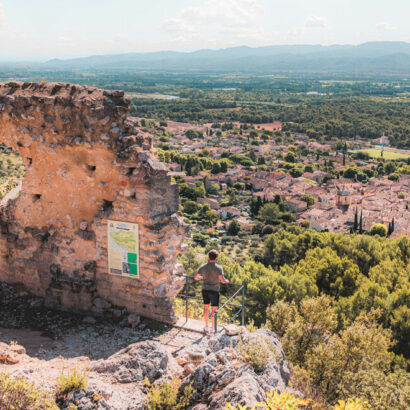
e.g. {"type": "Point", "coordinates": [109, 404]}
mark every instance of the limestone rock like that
{"type": "Point", "coordinates": [244, 390]}
{"type": "Point", "coordinates": [232, 330]}
{"type": "Point", "coordinates": [11, 354]}
{"type": "Point", "coordinates": [135, 362]}
{"type": "Point", "coordinates": [223, 376]}
{"type": "Point", "coordinates": [134, 320]}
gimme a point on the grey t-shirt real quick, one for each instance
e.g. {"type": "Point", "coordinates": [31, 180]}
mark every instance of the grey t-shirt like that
{"type": "Point", "coordinates": [210, 272]}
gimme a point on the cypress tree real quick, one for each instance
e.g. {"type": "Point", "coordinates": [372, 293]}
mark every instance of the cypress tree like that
{"type": "Point", "coordinates": [355, 223]}
{"type": "Point", "coordinates": [344, 154]}
{"type": "Point", "coordinates": [361, 222]}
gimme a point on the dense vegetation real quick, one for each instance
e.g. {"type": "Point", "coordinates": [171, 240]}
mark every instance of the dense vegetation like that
{"type": "Point", "coordinates": [318, 118]}
{"type": "Point", "coordinates": [333, 296]}
{"type": "Point", "coordinates": [335, 105]}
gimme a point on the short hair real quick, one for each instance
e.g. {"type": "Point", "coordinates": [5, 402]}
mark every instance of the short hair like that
{"type": "Point", "coordinates": [213, 254]}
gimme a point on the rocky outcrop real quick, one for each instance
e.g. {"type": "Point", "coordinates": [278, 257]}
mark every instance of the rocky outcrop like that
{"type": "Point", "coordinates": [86, 163]}
{"type": "Point", "coordinates": [223, 370]}
{"type": "Point", "coordinates": [135, 363]}
{"type": "Point", "coordinates": [11, 354]}
{"type": "Point", "coordinates": [214, 368]}
{"type": "Point", "coordinates": [124, 358]}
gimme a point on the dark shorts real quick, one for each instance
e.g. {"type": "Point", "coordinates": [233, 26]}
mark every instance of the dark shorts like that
{"type": "Point", "coordinates": [210, 297]}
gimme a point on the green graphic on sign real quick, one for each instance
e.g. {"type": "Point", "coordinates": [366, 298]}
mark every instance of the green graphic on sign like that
{"type": "Point", "coordinates": [123, 248]}
{"type": "Point", "coordinates": [132, 257]}
{"type": "Point", "coordinates": [133, 269]}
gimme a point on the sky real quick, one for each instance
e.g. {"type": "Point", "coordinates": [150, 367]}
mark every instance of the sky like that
{"type": "Point", "coordinates": [39, 29]}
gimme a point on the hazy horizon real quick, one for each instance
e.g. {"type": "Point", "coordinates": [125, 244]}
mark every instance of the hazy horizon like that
{"type": "Point", "coordinates": [56, 29]}
{"type": "Point", "coordinates": [49, 58]}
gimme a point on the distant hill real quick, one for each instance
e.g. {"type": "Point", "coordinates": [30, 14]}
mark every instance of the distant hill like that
{"type": "Point", "coordinates": [372, 57]}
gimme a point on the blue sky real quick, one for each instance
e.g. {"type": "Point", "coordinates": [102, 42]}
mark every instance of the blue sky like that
{"type": "Point", "coordinates": [65, 28]}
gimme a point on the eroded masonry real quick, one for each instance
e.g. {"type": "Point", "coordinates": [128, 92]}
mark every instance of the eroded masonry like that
{"type": "Point", "coordinates": [87, 164]}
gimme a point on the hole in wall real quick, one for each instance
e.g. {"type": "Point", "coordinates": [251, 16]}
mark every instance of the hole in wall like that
{"type": "Point", "coordinates": [91, 168]}
{"type": "Point", "coordinates": [130, 171]}
{"type": "Point", "coordinates": [36, 197]}
{"type": "Point", "coordinates": [107, 206]}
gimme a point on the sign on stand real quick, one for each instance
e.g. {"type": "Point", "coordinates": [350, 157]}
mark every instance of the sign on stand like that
{"type": "Point", "coordinates": [123, 248]}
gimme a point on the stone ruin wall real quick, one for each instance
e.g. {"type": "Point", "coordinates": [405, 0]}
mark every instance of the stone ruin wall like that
{"type": "Point", "coordinates": [86, 162]}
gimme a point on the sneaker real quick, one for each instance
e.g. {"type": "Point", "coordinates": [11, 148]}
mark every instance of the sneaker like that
{"type": "Point", "coordinates": [206, 330]}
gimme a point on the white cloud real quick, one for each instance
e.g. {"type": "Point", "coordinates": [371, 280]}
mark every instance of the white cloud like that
{"type": "Point", "coordinates": [232, 22]}
{"type": "Point", "coordinates": [224, 12]}
{"type": "Point", "coordinates": [385, 26]}
{"type": "Point", "coordinates": [178, 25]}
{"type": "Point", "coordinates": [317, 22]}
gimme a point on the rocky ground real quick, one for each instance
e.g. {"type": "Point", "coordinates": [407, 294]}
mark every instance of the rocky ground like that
{"type": "Point", "coordinates": [118, 357]}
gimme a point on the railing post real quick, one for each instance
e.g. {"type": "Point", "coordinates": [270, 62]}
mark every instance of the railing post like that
{"type": "Point", "coordinates": [186, 297]}
{"type": "Point", "coordinates": [216, 321]}
{"type": "Point", "coordinates": [243, 305]}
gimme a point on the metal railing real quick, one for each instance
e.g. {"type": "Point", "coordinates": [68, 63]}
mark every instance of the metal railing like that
{"type": "Point", "coordinates": [228, 303]}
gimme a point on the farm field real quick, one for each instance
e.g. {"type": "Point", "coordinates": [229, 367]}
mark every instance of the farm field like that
{"type": "Point", "coordinates": [375, 153]}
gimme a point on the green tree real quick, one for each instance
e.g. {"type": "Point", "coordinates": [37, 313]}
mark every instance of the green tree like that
{"type": "Point", "coordinates": [356, 221]}
{"type": "Point", "coordinates": [309, 199]}
{"type": "Point", "coordinates": [269, 213]}
{"type": "Point", "coordinates": [378, 229]}
{"type": "Point", "coordinates": [290, 157]}
{"type": "Point", "coordinates": [234, 228]}
{"type": "Point", "coordinates": [191, 207]}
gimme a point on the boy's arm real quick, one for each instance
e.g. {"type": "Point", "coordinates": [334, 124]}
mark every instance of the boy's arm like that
{"type": "Point", "coordinates": [222, 278]}
{"type": "Point", "coordinates": [198, 276]}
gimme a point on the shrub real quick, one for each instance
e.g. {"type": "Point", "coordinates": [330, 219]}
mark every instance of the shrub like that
{"type": "Point", "coordinates": [279, 316]}
{"type": "Point", "coordinates": [167, 396]}
{"type": "Point", "coordinates": [71, 381]}
{"type": "Point", "coordinates": [378, 229]}
{"type": "Point", "coordinates": [394, 177]}
{"type": "Point", "coordinates": [305, 329]}
{"type": "Point", "coordinates": [20, 394]}
{"type": "Point", "coordinates": [305, 223]}
{"type": "Point", "coordinates": [234, 228]}
{"type": "Point", "coordinates": [255, 352]}
{"type": "Point", "coordinates": [361, 351]}
{"type": "Point", "coordinates": [277, 401]}
{"type": "Point", "coordinates": [267, 230]}
{"type": "Point", "coordinates": [351, 404]}
{"type": "Point", "coordinates": [285, 400]}
{"type": "Point", "coordinates": [401, 195]}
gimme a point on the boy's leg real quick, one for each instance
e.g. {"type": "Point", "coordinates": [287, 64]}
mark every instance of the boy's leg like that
{"type": "Point", "coordinates": [206, 315]}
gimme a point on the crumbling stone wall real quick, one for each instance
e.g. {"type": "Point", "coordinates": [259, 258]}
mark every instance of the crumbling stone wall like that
{"type": "Point", "coordinates": [86, 163]}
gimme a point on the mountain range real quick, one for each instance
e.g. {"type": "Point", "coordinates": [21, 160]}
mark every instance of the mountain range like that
{"type": "Point", "coordinates": [371, 57]}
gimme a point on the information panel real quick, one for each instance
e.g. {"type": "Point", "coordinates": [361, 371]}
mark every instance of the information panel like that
{"type": "Point", "coordinates": [123, 248]}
